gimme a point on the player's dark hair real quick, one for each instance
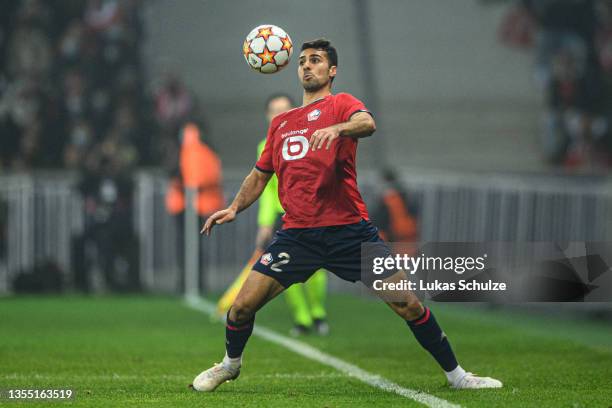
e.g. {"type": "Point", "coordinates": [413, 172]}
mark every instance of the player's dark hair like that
{"type": "Point", "coordinates": [276, 96]}
{"type": "Point", "coordinates": [323, 45]}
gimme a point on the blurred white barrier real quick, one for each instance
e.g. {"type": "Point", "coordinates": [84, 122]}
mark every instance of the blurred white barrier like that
{"type": "Point", "coordinates": [38, 217]}
{"type": "Point", "coordinates": [41, 215]}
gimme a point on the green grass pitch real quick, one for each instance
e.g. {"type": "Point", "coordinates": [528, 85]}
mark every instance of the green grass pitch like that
{"type": "Point", "coordinates": [144, 351]}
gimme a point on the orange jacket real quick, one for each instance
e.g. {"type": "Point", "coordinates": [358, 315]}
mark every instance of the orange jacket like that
{"type": "Point", "coordinates": [201, 170]}
{"type": "Point", "coordinates": [402, 225]}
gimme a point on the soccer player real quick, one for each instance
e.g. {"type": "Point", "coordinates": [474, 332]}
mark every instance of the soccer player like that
{"type": "Point", "coordinates": [306, 301]}
{"type": "Point", "coordinates": [312, 150]}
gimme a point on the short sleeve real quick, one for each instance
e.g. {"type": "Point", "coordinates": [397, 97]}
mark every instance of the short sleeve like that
{"type": "Point", "coordinates": [265, 159]}
{"type": "Point", "coordinates": [347, 105]}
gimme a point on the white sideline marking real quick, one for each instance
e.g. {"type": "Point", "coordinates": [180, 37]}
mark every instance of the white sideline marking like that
{"type": "Point", "coordinates": [315, 354]}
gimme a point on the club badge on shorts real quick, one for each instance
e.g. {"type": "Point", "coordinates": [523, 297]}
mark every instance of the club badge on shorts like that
{"type": "Point", "coordinates": [266, 259]}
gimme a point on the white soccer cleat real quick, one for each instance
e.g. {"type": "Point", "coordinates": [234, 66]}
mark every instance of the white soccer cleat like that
{"type": "Point", "coordinates": [209, 380]}
{"type": "Point", "coordinates": [472, 381]}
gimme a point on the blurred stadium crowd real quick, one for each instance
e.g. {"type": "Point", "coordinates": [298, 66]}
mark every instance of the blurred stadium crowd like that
{"type": "Point", "coordinates": [73, 97]}
{"type": "Point", "coordinates": [72, 93]}
{"type": "Point", "coordinates": [572, 45]}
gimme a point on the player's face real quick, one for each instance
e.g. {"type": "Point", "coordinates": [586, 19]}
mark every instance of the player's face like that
{"type": "Point", "coordinates": [277, 106]}
{"type": "Point", "coordinates": [314, 70]}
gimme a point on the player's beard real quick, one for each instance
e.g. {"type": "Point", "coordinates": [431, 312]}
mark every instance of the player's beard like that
{"type": "Point", "coordinates": [314, 86]}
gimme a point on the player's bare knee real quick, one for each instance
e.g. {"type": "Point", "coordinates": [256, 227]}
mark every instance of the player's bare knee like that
{"type": "Point", "coordinates": [241, 312]}
{"type": "Point", "coordinates": [408, 310]}
{"type": "Point", "coordinates": [415, 309]}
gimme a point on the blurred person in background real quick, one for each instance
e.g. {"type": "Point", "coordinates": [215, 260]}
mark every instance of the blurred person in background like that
{"type": "Point", "coordinates": [76, 95]}
{"type": "Point", "coordinates": [30, 51]}
{"type": "Point", "coordinates": [210, 192]}
{"type": "Point", "coordinates": [30, 126]}
{"type": "Point", "coordinates": [20, 112]}
{"type": "Point", "coordinates": [108, 241]}
{"type": "Point", "coordinates": [80, 140]}
{"type": "Point", "coordinates": [71, 44]}
{"type": "Point", "coordinates": [394, 214]}
{"type": "Point", "coordinates": [209, 195]}
{"type": "Point", "coordinates": [173, 105]}
{"type": "Point", "coordinates": [173, 102]}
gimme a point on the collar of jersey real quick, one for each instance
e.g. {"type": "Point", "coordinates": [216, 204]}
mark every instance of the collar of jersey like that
{"type": "Point", "coordinates": [315, 101]}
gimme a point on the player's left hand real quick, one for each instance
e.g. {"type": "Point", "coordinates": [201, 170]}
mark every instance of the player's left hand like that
{"type": "Point", "coordinates": [218, 218]}
{"type": "Point", "coordinates": [322, 136]}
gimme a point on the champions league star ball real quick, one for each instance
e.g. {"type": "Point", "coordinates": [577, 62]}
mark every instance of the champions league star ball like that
{"type": "Point", "coordinates": [267, 49]}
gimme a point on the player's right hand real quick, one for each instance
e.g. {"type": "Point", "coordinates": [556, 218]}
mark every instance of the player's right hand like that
{"type": "Point", "coordinates": [220, 217]}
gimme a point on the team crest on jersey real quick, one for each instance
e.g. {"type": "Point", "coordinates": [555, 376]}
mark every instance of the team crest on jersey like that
{"type": "Point", "coordinates": [314, 115]}
{"type": "Point", "coordinates": [282, 125]}
{"type": "Point", "coordinates": [266, 259]}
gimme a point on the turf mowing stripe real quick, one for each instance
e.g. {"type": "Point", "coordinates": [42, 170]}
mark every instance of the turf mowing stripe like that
{"type": "Point", "coordinates": [315, 354]}
{"type": "Point", "coordinates": [124, 377]}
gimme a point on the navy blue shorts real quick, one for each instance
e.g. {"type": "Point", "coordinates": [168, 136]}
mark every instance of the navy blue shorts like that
{"type": "Point", "coordinates": [296, 253]}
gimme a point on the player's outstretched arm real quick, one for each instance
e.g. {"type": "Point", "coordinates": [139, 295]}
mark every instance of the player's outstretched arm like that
{"type": "Point", "coordinates": [251, 189]}
{"type": "Point", "coordinates": [361, 124]}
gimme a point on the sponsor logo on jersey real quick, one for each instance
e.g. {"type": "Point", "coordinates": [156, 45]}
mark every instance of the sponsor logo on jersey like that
{"type": "Point", "coordinates": [266, 259]}
{"type": "Point", "coordinates": [282, 125]}
{"type": "Point", "coordinates": [314, 115]}
{"type": "Point", "coordinates": [294, 132]}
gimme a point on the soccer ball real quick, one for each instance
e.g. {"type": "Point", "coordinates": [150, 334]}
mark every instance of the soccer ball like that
{"type": "Point", "coordinates": [267, 49]}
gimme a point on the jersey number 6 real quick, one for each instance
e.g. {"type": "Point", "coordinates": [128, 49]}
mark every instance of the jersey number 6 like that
{"type": "Point", "coordinates": [295, 147]}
